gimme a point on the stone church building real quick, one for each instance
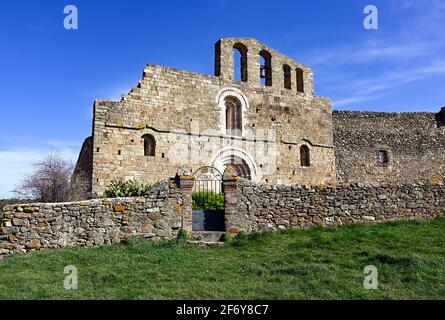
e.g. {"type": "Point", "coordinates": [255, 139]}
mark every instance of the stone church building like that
{"type": "Point", "coordinates": [258, 114]}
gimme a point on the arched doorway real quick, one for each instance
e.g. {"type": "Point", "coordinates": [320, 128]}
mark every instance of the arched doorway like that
{"type": "Point", "coordinates": [239, 167]}
{"type": "Point", "coordinates": [237, 160]}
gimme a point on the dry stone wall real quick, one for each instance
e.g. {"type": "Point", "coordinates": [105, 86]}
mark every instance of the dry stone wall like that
{"type": "Point", "coordinates": [164, 211]}
{"type": "Point", "coordinates": [249, 207]}
{"type": "Point", "coordinates": [252, 207]}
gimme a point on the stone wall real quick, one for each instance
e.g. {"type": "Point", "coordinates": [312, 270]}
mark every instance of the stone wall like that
{"type": "Point", "coordinates": [164, 211]}
{"type": "Point", "coordinates": [414, 141]}
{"type": "Point", "coordinates": [225, 64]}
{"type": "Point", "coordinates": [167, 209]}
{"type": "Point", "coordinates": [84, 166]}
{"type": "Point", "coordinates": [185, 113]}
{"type": "Point", "coordinates": [251, 206]}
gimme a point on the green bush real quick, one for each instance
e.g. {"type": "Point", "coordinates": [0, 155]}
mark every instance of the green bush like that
{"type": "Point", "coordinates": [183, 236]}
{"type": "Point", "coordinates": [242, 235]}
{"type": "Point", "coordinates": [131, 240]}
{"type": "Point", "coordinates": [207, 201]}
{"type": "Point", "coordinates": [131, 188]}
{"type": "Point", "coordinates": [228, 237]}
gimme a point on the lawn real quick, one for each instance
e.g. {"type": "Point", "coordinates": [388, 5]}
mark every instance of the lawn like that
{"type": "Point", "coordinates": [317, 263]}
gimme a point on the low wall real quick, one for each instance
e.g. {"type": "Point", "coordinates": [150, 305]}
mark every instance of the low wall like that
{"type": "Point", "coordinates": [167, 208]}
{"type": "Point", "coordinates": [251, 207]}
{"type": "Point", "coordinates": [160, 214]}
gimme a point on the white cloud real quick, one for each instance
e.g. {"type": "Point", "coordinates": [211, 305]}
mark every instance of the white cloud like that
{"type": "Point", "coordinates": [15, 163]}
{"type": "Point", "coordinates": [366, 89]}
{"type": "Point", "coordinates": [407, 48]}
{"type": "Point", "coordinates": [370, 51]}
{"type": "Point", "coordinates": [353, 99]}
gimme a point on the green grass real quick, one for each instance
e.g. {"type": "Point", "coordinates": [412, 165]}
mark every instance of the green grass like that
{"type": "Point", "coordinates": [295, 264]}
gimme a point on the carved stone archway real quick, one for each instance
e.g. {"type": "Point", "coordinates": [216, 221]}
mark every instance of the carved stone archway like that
{"type": "Point", "coordinates": [239, 161]}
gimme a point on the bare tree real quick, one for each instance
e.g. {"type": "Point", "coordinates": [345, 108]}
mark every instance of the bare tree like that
{"type": "Point", "coordinates": [51, 182]}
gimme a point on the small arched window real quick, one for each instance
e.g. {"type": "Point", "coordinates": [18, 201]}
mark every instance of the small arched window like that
{"type": "Point", "coordinates": [287, 76]}
{"type": "Point", "coordinates": [149, 145]}
{"type": "Point", "coordinates": [240, 62]}
{"type": "Point", "coordinates": [305, 159]}
{"type": "Point", "coordinates": [265, 68]}
{"type": "Point", "coordinates": [300, 80]}
{"type": "Point", "coordinates": [234, 120]}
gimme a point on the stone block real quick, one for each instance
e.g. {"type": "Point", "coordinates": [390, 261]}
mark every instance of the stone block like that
{"type": "Point", "coordinates": [34, 244]}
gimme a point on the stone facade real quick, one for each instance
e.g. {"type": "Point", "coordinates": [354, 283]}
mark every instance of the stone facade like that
{"type": "Point", "coordinates": [164, 211]}
{"type": "Point", "coordinates": [186, 114]}
{"type": "Point", "coordinates": [413, 141]}
{"type": "Point", "coordinates": [84, 166]}
{"type": "Point", "coordinates": [251, 207]}
{"type": "Point", "coordinates": [187, 117]}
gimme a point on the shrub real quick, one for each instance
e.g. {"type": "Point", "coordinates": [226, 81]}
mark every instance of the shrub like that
{"type": "Point", "coordinates": [242, 235]}
{"type": "Point", "coordinates": [131, 188]}
{"type": "Point", "coordinates": [183, 236]}
{"type": "Point", "coordinates": [52, 180]}
{"type": "Point", "coordinates": [130, 240]}
{"type": "Point", "coordinates": [228, 237]}
{"type": "Point", "coordinates": [207, 201]}
{"type": "Point", "coordinates": [236, 240]}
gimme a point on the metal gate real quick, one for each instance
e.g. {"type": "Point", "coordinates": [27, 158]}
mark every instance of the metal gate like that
{"type": "Point", "coordinates": [208, 200]}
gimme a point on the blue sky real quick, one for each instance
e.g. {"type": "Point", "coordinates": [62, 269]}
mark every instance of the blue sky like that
{"type": "Point", "coordinates": [49, 77]}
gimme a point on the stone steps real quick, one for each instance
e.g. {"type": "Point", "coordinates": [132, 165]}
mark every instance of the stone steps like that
{"type": "Point", "coordinates": [208, 236]}
{"type": "Point", "coordinates": [206, 244]}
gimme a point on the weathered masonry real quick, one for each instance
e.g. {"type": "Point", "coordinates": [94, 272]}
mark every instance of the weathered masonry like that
{"type": "Point", "coordinates": [249, 207]}
{"type": "Point", "coordinates": [160, 214]}
{"type": "Point", "coordinates": [260, 116]}
{"type": "Point", "coordinates": [384, 146]}
{"type": "Point", "coordinates": [251, 148]}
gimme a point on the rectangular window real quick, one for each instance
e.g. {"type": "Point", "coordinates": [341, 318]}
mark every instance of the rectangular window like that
{"type": "Point", "coordinates": [383, 157]}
